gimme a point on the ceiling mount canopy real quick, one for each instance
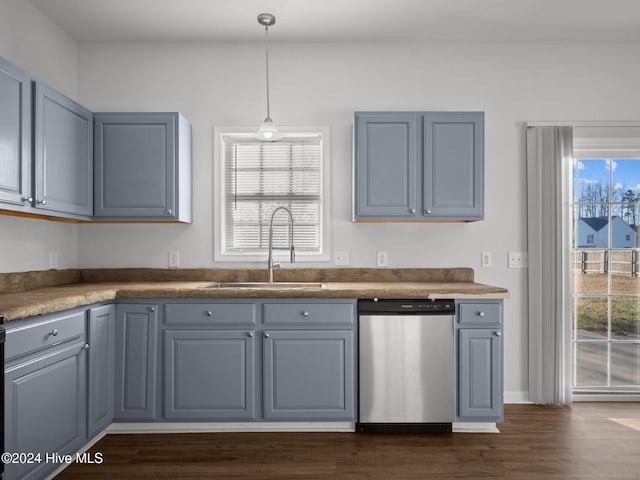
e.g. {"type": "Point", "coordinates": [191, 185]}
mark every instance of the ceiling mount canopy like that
{"type": "Point", "coordinates": [268, 131]}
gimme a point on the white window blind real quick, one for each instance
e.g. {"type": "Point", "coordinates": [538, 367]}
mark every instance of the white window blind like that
{"type": "Point", "coordinates": [259, 177]}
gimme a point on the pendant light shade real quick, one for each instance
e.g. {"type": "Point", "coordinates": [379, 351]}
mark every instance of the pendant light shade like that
{"type": "Point", "coordinates": [268, 131]}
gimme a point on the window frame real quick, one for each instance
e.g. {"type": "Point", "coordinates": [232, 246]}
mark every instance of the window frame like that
{"type": "Point", "coordinates": [219, 198]}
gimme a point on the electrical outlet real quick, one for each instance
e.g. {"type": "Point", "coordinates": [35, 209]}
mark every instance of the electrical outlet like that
{"type": "Point", "coordinates": [174, 258]}
{"type": "Point", "coordinates": [53, 260]}
{"type": "Point", "coordinates": [486, 259]}
{"type": "Point", "coordinates": [518, 260]}
{"type": "Point", "coordinates": [341, 258]}
{"type": "Point", "coordinates": [382, 259]}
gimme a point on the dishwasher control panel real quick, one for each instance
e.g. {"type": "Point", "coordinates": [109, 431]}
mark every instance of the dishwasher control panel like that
{"type": "Point", "coordinates": [406, 307]}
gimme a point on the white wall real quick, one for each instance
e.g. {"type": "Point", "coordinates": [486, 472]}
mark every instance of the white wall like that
{"type": "Point", "coordinates": [322, 84]}
{"type": "Point", "coordinates": [37, 45]}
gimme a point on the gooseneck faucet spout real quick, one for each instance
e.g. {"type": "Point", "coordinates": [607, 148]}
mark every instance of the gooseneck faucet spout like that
{"type": "Point", "coordinates": [271, 264]}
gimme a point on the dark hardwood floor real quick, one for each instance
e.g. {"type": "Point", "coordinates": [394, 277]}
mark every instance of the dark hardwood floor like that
{"type": "Point", "coordinates": [536, 442]}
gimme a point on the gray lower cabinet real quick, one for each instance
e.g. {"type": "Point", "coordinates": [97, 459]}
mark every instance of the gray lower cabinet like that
{"type": "Point", "coordinates": [142, 167]}
{"type": "Point", "coordinates": [209, 374]}
{"type": "Point", "coordinates": [479, 359]}
{"type": "Point", "coordinates": [308, 375]}
{"type": "Point", "coordinates": [302, 369]}
{"type": "Point", "coordinates": [63, 154]}
{"type": "Point", "coordinates": [418, 166]}
{"type": "Point", "coordinates": [45, 393]}
{"type": "Point", "coordinates": [136, 333]}
{"type": "Point", "coordinates": [101, 333]}
{"type": "Point", "coordinates": [15, 137]}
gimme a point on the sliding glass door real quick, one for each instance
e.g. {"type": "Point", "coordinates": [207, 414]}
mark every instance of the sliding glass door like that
{"type": "Point", "coordinates": [605, 264]}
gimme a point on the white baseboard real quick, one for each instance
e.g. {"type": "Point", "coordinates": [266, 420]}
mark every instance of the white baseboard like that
{"type": "Point", "coordinates": [474, 427]}
{"type": "Point", "coordinates": [516, 397]}
{"type": "Point", "coordinates": [211, 427]}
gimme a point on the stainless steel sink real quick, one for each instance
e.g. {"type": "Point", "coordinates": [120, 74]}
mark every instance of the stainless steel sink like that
{"type": "Point", "coordinates": [266, 285]}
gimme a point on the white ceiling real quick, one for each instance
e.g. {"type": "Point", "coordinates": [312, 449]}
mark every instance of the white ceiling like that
{"type": "Point", "coordinates": [345, 20]}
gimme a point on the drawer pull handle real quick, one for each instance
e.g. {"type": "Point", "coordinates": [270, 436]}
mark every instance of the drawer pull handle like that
{"type": "Point", "coordinates": [305, 314]}
{"type": "Point", "coordinates": [54, 333]}
{"type": "Point", "coordinates": [27, 199]}
{"type": "Point", "coordinates": [412, 210]}
{"type": "Point", "coordinates": [497, 334]}
{"type": "Point", "coordinates": [250, 334]}
{"type": "Point", "coordinates": [209, 313]}
{"type": "Point", "coordinates": [481, 314]}
{"type": "Point", "coordinates": [85, 346]}
{"type": "Point", "coordinates": [152, 309]}
{"type": "Point", "coordinates": [266, 335]}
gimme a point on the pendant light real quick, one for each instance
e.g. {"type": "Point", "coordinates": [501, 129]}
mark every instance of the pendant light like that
{"type": "Point", "coordinates": [267, 132]}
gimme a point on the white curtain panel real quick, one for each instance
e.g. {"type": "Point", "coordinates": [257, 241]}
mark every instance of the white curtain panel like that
{"type": "Point", "coordinates": [549, 160]}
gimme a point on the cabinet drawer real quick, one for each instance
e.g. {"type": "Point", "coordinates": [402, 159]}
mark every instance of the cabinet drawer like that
{"type": "Point", "coordinates": [331, 313]}
{"type": "Point", "coordinates": [39, 335]}
{"type": "Point", "coordinates": [479, 313]}
{"type": "Point", "coordinates": [210, 313]}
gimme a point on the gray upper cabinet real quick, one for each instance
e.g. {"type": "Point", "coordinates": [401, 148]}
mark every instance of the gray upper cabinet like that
{"type": "Point", "coordinates": [142, 167]}
{"type": "Point", "coordinates": [63, 154]}
{"type": "Point", "coordinates": [15, 137]}
{"type": "Point", "coordinates": [386, 163]}
{"type": "Point", "coordinates": [418, 166]}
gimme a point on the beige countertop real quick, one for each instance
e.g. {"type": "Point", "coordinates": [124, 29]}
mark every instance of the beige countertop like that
{"type": "Point", "coordinates": [50, 299]}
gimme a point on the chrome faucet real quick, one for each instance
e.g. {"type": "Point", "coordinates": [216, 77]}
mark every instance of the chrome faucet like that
{"type": "Point", "coordinates": [271, 264]}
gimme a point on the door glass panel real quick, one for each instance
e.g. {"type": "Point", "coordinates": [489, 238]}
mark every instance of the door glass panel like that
{"type": "Point", "coordinates": [605, 275]}
{"type": "Point", "coordinates": [591, 364]}
{"type": "Point", "coordinates": [625, 364]}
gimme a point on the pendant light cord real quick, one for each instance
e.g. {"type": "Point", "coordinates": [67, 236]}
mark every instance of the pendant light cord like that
{"type": "Point", "coordinates": [266, 51]}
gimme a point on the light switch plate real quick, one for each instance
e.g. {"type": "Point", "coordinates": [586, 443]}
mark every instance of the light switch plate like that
{"type": "Point", "coordinates": [486, 260]}
{"type": "Point", "coordinates": [382, 259]}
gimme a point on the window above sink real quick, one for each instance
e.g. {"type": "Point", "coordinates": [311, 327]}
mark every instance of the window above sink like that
{"type": "Point", "coordinates": [252, 178]}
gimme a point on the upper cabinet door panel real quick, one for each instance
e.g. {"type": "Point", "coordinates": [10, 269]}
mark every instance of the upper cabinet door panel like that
{"type": "Point", "coordinates": [453, 164]}
{"type": "Point", "coordinates": [385, 165]}
{"type": "Point", "coordinates": [15, 136]}
{"type": "Point", "coordinates": [143, 166]}
{"type": "Point", "coordinates": [64, 150]}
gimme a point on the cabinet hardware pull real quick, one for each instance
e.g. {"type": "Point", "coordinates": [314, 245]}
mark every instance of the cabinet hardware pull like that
{"type": "Point", "coordinates": [305, 314]}
{"type": "Point", "coordinates": [209, 313]}
{"type": "Point", "coordinates": [481, 314]}
{"type": "Point", "coordinates": [85, 346]}
{"type": "Point", "coordinates": [428, 212]}
{"type": "Point", "coordinates": [497, 334]}
{"type": "Point", "coordinates": [41, 202]}
{"type": "Point", "coordinates": [169, 211]}
{"type": "Point", "coordinates": [152, 309]}
{"type": "Point", "coordinates": [412, 210]}
{"type": "Point", "coordinates": [54, 333]}
{"type": "Point", "coordinates": [27, 199]}
{"type": "Point", "coordinates": [266, 335]}
{"type": "Point", "coordinates": [250, 334]}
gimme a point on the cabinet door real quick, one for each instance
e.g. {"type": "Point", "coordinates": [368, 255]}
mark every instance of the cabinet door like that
{"type": "Point", "coordinates": [209, 374]}
{"type": "Point", "coordinates": [15, 136]}
{"type": "Point", "coordinates": [453, 165]}
{"type": "Point", "coordinates": [135, 161]}
{"type": "Point", "coordinates": [480, 374]}
{"type": "Point", "coordinates": [64, 153]}
{"type": "Point", "coordinates": [308, 375]}
{"type": "Point", "coordinates": [45, 404]}
{"type": "Point", "coordinates": [101, 330]}
{"type": "Point", "coordinates": [135, 365]}
{"type": "Point", "coordinates": [385, 165]}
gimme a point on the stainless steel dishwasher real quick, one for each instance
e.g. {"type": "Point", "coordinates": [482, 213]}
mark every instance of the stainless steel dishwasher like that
{"type": "Point", "coordinates": [406, 366]}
